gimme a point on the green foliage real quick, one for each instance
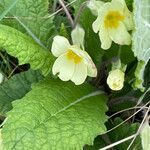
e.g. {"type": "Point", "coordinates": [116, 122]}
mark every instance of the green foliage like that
{"type": "Point", "coordinates": [117, 134]}
{"type": "Point", "coordinates": [141, 38]}
{"type": "Point", "coordinates": [122, 132]}
{"type": "Point", "coordinates": [16, 88]}
{"type": "Point", "coordinates": [25, 49]}
{"type": "Point", "coordinates": [7, 9]}
{"type": "Point", "coordinates": [125, 53]}
{"type": "Point", "coordinates": [31, 17]}
{"type": "Point", "coordinates": [53, 116]}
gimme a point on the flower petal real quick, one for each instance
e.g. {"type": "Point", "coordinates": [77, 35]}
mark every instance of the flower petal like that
{"type": "Point", "coordinates": [115, 79]}
{"type": "Point", "coordinates": [128, 15]}
{"type": "Point", "coordinates": [59, 46]}
{"type": "Point", "coordinates": [117, 5]}
{"type": "Point", "coordinates": [80, 73]}
{"type": "Point", "coordinates": [91, 68]}
{"type": "Point", "coordinates": [104, 38]}
{"type": "Point", "coordinates": [95, 6]}
{"type": "Point", "coordinates": [64, 67]}
{"type": "Point", "coordinates": [120, 35]}
{"type": "Point", "coordinates": [96, 24]}
{"type": "Point", "coordinates": [129, 21]}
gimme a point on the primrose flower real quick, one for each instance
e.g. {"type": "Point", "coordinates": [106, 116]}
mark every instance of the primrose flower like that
{"type": "Point", "coordinates": [72, 63]}
{"type": "Point", "coordinates": [113, 23]}
{"type": "Point", "coordinates": [115, 79]}
{"type": "Point", "coordinates": [95, 6]}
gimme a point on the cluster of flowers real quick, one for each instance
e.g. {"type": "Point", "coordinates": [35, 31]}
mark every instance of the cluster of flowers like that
{"type": "Point", "coordinates": [113, 22]}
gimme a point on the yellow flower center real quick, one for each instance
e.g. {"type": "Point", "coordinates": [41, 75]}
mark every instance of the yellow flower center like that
{"type": "Point", "coordinates": [112, 19]}
{"type": "Point", "coordinates": [116, 85]}
{"type": "Point", "coordinates": [73, 56]}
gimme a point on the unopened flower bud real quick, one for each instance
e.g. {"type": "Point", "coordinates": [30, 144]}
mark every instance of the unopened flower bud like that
{"type": "Point", "coordinates": [115, 79]}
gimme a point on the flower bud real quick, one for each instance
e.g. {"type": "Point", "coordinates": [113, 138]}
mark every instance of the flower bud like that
{"type": "Point", "coordinates": [77, 36]}
{"type": "Point", "coordinates": [115, 79]}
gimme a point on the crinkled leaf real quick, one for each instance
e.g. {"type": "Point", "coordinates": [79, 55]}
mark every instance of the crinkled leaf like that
{"type": "Point", "coordinates": [25, 49]}
{"type": "Point", "coordinates": [15, 88]}
{"type": "Point", "coordinates": [141, 38]}
{"type": "Point", "coordinates": [7, 9]}
{"type": "Point", "coordinates": [32, 17]}
{"type": "Point", "coordinates": [55, 115]}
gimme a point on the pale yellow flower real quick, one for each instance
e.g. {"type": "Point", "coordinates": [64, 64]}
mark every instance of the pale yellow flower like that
{"type": "Point", "coordinates": [115, 79]}
{"type": "Point", "coordinates": [113, 23]}
{"type": "Point", "coordinates": [72, 63]}
{"type": "Point", "coordinates": [95, 6]}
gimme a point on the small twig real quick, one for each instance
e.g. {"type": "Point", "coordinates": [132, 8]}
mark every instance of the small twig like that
{"type": "Point", "coordinates": [139, 130]}
{"type": "Point", "coordinates": [54, 5]}
{"type": "Point", "coordinates": [127, 118]}
{"type": "Point", "coordinates": [44, 17]}
{"type": "Point", "coordinates": [67, 13]}
{"type": "Point", "coordinates": [3, 57]}
{"type": "Point", "coordinates": [12, 72]}
{"type": "Point", "coordinates": [131, 108]}
{"type": "Point", "coordinates": [8, 60]}
{"type": "Point", "coordinates": [83, 5]}
{"type": "Point", "coordinates": [141, 98]}
{"type": "Point", "coordinates": [118, 142]}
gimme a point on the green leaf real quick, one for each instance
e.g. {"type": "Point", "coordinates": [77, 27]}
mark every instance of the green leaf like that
{"type": "Point", "coordinates": [123, 131]}
{"type": "Point", "coordinates": [25, 49]}
{"type": "Point", "coordinates": [15, 88]}
{"type": "Point", "coordinates": [126, 54]}
{"type": "Point", "coordinates": [8, 8]}
{"type": "Point", "coordinates": [117, 134]}
{"type": "Point", "coordinates": [141, 38]}
{"type": "Point", "coordinates": [33, 16]}
{"type": "Point", "coordinates": [145, 136]}
{"type": "Point", "coordinates": [55, 115]}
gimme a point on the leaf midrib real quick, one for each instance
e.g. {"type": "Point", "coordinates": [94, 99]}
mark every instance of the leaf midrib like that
{"type": "Point", "coordinates": [63, 109]}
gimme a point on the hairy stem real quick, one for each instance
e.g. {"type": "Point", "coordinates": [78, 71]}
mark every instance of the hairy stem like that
{"type": "Point", "coordinates": [67, 13]}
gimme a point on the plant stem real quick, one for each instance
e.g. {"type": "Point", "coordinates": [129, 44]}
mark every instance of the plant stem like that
{"type": "Point", "coordinates": [118, 142]}
{"type": "Point", "coordinates": [79, 13]}
{"type": "Point", "coordinates": [139, 130]}
{"type": "Point", "coordinates": [67, 13]}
